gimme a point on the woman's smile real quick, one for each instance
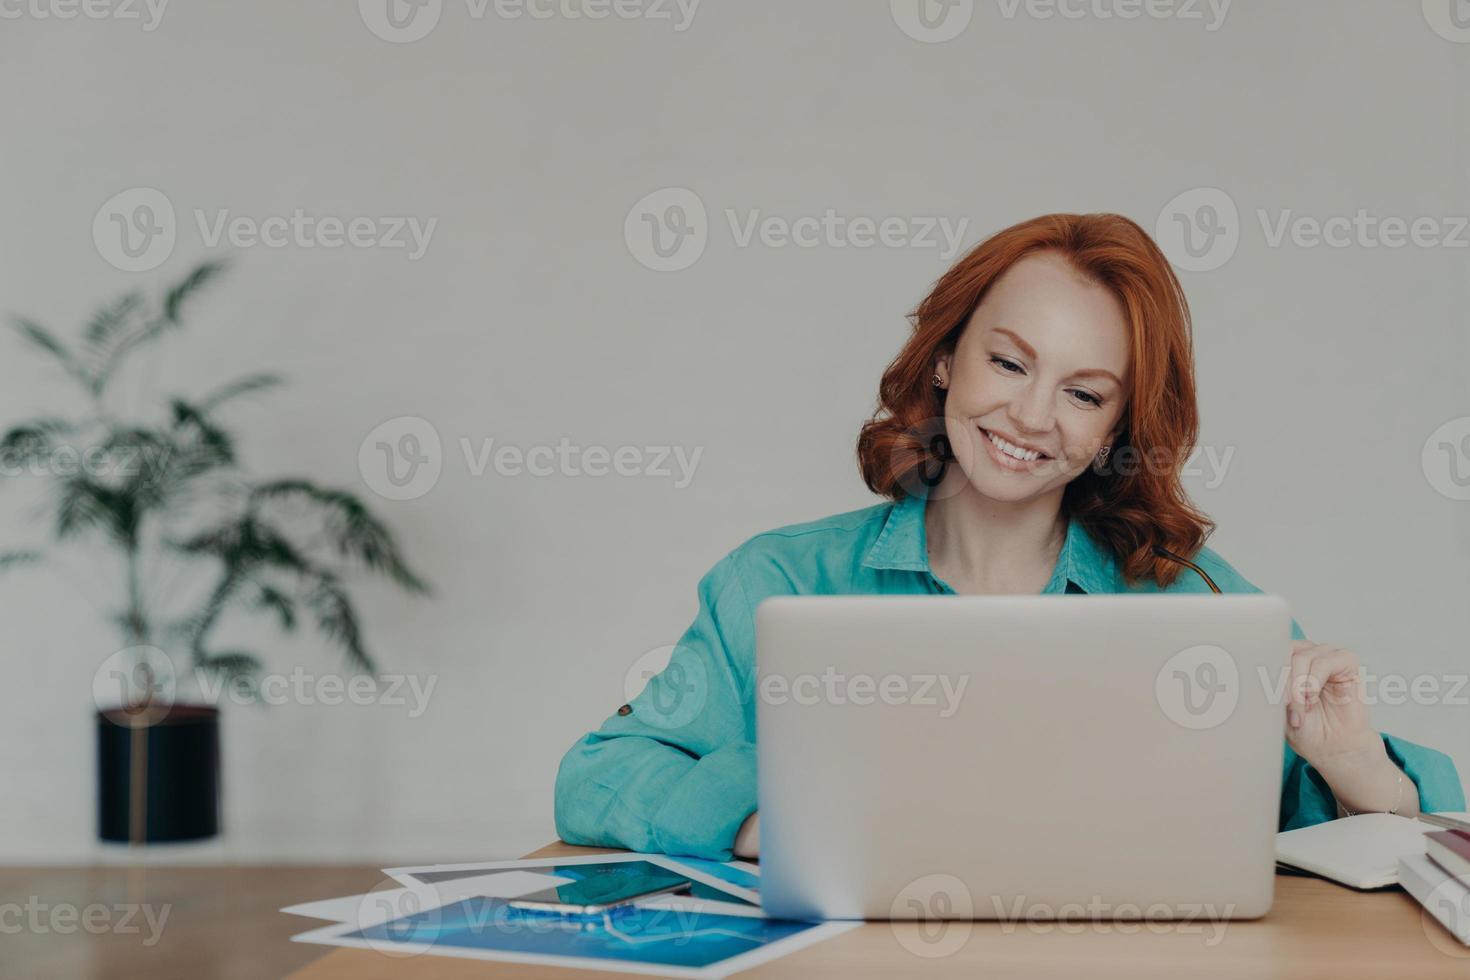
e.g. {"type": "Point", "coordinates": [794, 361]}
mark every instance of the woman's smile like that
{"type": "Point", "coordinates": [1000, 450]}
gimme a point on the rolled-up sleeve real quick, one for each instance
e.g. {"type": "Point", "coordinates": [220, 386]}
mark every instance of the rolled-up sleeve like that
{"type": "Point", "coordinates": [1306, 799]}
{"type": "Point", "coordinates": [675, 775]}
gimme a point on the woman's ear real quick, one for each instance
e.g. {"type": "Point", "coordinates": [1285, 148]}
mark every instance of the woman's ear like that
{"type": "Point", "coordinates": [941, 368]}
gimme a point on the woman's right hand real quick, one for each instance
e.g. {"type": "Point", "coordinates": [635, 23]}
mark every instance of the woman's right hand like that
{"type": "Point", "coordinates": [748, 838]}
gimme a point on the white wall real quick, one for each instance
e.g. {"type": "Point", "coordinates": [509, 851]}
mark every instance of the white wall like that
{"type": "Point", "coordinates": [529, 321]}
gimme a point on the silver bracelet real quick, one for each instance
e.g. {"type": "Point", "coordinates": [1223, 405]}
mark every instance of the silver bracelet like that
{"type": "Point", "coordinates": [1397, 797]}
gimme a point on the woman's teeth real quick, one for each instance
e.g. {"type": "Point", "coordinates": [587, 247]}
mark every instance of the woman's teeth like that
{"type": "Point", "coordinates": [1010, 450]}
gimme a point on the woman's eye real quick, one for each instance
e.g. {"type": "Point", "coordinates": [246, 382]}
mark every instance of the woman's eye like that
{"type": "Point", "coordinates": [1011, 367]}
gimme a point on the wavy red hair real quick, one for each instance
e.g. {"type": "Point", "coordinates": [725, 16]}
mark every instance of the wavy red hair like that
{"type": "Point", "coordinates": [1130, 509]}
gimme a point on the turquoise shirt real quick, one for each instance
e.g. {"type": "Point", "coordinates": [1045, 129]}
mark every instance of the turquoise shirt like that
{"type": "Point", "coordinates": [677, 773]}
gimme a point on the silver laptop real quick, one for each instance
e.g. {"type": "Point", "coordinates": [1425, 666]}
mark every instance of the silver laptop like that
{"type": "Point", "coordinates": [1020, 757]}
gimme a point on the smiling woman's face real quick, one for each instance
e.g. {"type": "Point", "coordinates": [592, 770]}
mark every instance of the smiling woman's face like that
{"type": "Point", "coordinates": [1043, 365]}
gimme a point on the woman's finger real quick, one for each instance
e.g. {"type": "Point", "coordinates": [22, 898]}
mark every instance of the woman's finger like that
{"type": "Point", "coordinates": [1338, 670]}
{"type": "Point", "coordinates": [1301, 671]}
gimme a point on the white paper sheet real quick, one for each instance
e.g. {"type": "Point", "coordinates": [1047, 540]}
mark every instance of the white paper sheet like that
{"type": "Point", "coordinates": [617, 944]}
{"type": "Point", "coordinates": [384, 903]}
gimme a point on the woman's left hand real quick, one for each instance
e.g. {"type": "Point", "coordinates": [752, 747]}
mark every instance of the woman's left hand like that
{"type": "Point", "coordinates": [1327, 707]}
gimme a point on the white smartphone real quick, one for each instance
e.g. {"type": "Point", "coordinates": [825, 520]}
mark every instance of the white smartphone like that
{"type": "Point", "coordinates": [619, 884]}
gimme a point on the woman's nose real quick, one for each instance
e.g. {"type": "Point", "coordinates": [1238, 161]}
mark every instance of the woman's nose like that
{"type": "Point", "coordinates": [1031, 413]}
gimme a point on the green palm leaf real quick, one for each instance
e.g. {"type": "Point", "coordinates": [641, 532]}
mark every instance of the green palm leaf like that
{"type": "Point", "coordinates": [351, 528]}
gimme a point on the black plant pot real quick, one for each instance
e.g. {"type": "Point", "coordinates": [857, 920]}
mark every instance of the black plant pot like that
{"type": "Point", "coordinates": [158, 774]}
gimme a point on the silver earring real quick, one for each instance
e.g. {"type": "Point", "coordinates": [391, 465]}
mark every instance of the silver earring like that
{"type": "Point", "coordinates": [937, 381]}
{"type": "Point", "coordinates": [1102, 454]}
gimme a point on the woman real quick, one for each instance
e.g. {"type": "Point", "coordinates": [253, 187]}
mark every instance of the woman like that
{"type": "Point", "coordinates": [1029, 438]}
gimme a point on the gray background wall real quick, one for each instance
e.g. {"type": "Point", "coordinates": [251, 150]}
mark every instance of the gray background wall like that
{"type": "Point", "coordinates": [530, 319]}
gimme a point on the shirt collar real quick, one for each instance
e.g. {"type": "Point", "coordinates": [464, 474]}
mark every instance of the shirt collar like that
{"type": "Point", "coordinates": [901, 545]}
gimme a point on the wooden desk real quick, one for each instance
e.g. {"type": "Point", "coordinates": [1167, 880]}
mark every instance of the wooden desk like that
{"type": "Point", "coordinates": [1315, 929]}
{"type": "Point", "coordinates": [223, 924]}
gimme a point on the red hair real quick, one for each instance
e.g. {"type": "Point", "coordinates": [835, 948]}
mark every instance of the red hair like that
{"type": "Point", "coordinates": [1130, 508]}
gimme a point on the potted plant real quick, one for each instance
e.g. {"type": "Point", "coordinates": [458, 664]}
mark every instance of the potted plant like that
{"type": "Point", "coordinates": [163, 491]}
